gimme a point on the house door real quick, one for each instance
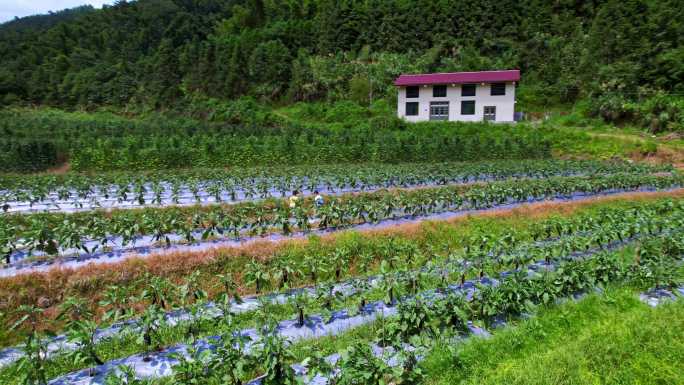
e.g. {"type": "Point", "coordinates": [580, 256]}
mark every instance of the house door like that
{"type": "Point", "coordinates": [490, 113]}
{"type": "Point", "coordinates": [439, 110]}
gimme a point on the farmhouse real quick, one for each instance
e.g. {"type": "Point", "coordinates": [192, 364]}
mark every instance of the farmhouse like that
{"type": "Point", "coordinates": [457, 96]}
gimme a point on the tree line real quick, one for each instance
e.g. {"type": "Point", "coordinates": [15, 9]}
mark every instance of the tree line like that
{"type": "Point", "coordinates": [162, 53]}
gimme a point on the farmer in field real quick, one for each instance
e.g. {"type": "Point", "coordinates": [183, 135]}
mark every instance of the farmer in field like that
{"type": "Point", "coordinates": [318, 199]}
{"type": "Point", "coordinates": [294, 199]}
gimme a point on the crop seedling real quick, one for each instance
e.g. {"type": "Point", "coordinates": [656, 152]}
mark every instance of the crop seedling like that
{"type": "Point", "coordinates": [389, 284]}
{"type": "Point", "coordinates": [361, 286]}
{"type": "Point", "coordinates": [116, 300]}
{"type": "Point", "coordinates": [328, 297]}
{"type": "Point", "coordinates": [230, 364]}
{"type": "Point", "coordinates": [314, 266]}
{"type": "Point", "coordinates": [413, 316]}
{"type": "Point", "coordinates": [274, 356]}
{"type": "Point", "coordinates": [159, 291]}
{"type": "Point", "coordinates": [123, 375]}
{"type": "Point", "coordinates": [285, 270]}
{"type": "Point", "coordinates": [358, 361]}
{"type": "Point", "coordinates": [31, 368]}
{"type": "Point", "coordinates": [191, 368]}
{"type": "Point", "coordinates": [230, 288]}
{"type": "Point", "coordinates": [301, 301]}
{"type": "Point", "coordinates": [338, 259]}
{"type": "Point", "coordinates": [256, 274]}
{"type": "Point", "coordinates": [317, 364]}
{"type": "Point", "coordinates": [81, 329]}
{"type": "Point", "coordinates": [152, 322]}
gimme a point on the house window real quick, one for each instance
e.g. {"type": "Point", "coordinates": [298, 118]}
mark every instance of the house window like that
{"type": "Point", "coordinates": [490, 113]}
{"type": "Point", "coordinates": [498, 88]}
{"type": "Point", "coordinates": [468, 90]}
{"type": "Point", "coordinates": [412, 92]}
{"type": "Point", "coordinates": [468, 107]}
{"type": "Point", "coordinates": [439, 110]}
{"type": "Point", "coordinates": [411, 108]}
{"type": "Point", "coordinates": [438, 91]}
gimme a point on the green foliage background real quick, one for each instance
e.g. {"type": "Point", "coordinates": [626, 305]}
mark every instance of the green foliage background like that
{"type": "Point", "coordinates": [159, 52]}
{"type": "Point", "coordinates": [214, 69]}
{"type": "Point", "coordinates": [104, 141]}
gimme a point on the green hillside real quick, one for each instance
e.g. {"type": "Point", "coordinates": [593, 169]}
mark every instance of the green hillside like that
{"type": "Point", "coordinates": [156, 84]}
{"type": "Point", "coordinates": [626, 56]}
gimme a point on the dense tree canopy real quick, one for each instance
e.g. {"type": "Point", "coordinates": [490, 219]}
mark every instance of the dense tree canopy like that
{"type": "Point", "coordinates": [159, 52]}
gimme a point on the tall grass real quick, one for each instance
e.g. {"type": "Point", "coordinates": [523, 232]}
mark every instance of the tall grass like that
{"type": "Point", "coordinates": [604, 339]}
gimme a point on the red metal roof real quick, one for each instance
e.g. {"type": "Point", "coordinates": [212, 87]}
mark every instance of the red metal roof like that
{"type": "Point", "coordinates": [458, 77]}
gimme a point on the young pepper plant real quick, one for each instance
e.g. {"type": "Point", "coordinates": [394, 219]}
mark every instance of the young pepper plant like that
{"type": "Point", "coordinates": [31, 367]}
{"type": "Point", "coordinates": [81, 329]}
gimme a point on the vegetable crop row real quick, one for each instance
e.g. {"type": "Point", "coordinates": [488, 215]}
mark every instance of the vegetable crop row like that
{"type": "Point", "coordinates": [453, 308]}
{"type": "Point", "coordinates": [202, 185]}
{"type": "Point", "coordinates": [52, 233]}
{"type": "Point", "coordinates": [484, 256]}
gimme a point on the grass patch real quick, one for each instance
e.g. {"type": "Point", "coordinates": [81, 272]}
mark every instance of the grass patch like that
{"type": "Point", "coordinates": [607, 339]}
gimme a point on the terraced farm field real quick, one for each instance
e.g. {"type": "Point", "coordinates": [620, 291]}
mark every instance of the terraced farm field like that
{"type": "Point", "coordinates": [401, 275]}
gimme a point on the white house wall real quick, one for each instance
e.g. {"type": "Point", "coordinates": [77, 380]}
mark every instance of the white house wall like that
{"type": "Point", "coordinates": [505, 104]}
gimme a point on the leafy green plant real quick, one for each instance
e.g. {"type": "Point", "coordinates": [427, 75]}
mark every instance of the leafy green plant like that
{"type": "Point", "coordinates": [81, 330]}
{"type": "Point", "coordinates": [123, 375]}
{"type": "Point", "coordinates": [158, 290]}
{"type": "Point", "coordinates": [191, 367]}
{"type": "Point", "coordinates": [230, 287]}
{"type": "Point", "coordinates": [274, 356]}
{"type": "Point", "coordinates": [359, 365]}
{"type": "Point", "coordinates": [152, 322]}
{"type": "Point", "coordinates": [116, 300]}
{"type": "Point", "coordinates": [230, 364]}
{"type": "Point", "coordinates": [31, 367]}
{"type": "Point", "coordinates": [389, 284]}
{"type": "Point", "coordinates": [257, 275]}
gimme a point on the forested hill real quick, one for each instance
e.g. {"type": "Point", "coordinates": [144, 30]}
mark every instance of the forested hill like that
{"type": "Point", "coordinates": [159, 53]}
